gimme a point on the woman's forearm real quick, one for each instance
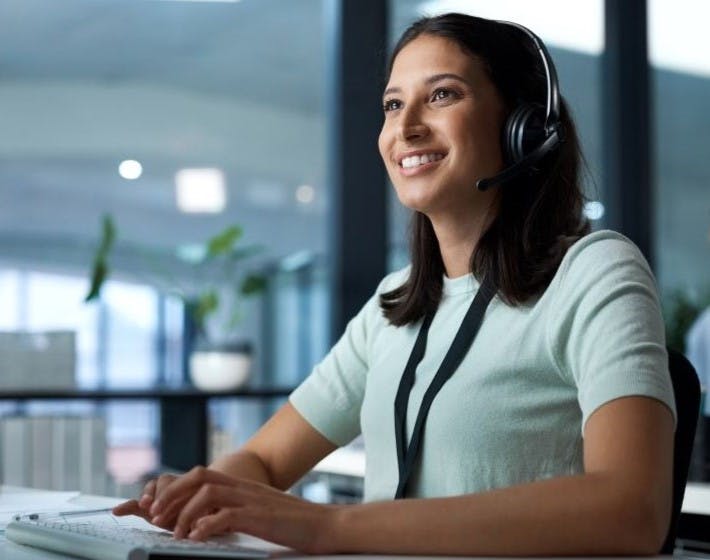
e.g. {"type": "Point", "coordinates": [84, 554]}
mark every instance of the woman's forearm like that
{"type": "Point", "coordinates": [580, 515]}
{"type": "Point", "coordinates": [243, 464]}
{"type": "Point", "coordinates": [281, 452]}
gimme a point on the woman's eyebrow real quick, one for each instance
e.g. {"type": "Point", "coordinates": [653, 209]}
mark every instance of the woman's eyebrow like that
{"type": "Point", "coordinates": [431, 80]}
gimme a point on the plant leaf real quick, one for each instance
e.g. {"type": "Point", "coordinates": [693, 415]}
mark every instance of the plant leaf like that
{"type": "Point", "coordinates": [207, 302]}
{"type": "Point", "coordinates": [98, 275]}
{"type": "Point", "coordinates": [108, 234]}
{"type": "Point", "coordinates": [253, 284]}
{"type": "Point", "coordinates": [223, 242]}
{"type": "Point", "coordinates": [99, 267]}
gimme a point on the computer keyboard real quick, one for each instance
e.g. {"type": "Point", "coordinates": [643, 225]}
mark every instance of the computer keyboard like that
{"type": "Point", "coordinates": [114, 541]}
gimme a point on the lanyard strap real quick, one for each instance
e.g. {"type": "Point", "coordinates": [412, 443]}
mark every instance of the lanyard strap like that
{"type": "Point", "coordinates": [407, 455]}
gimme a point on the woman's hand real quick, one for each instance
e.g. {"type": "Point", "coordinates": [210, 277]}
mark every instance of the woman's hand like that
{"type": "Point", "coordinates": [141, 507]}
{"type": "Point", "coordinates": [205, 502]}
{"type": "Point", "coordinates": [221, 505]}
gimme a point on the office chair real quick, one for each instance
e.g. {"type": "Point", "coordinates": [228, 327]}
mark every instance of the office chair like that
{"type": "Point", "coordinates": [687, 401]}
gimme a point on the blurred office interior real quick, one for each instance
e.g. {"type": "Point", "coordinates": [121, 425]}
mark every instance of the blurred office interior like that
{"type": "Point", "coordinates": [250, 89]}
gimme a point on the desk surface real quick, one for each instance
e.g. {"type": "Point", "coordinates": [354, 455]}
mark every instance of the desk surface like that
{"type": "Point", "coordinates": [12, 551]}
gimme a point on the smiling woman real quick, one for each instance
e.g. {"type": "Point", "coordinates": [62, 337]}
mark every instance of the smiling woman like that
{"type": "Point", "coordinates": [439, 101]}
{"type": "Point", "coordinates": [441, 113]}
{"type": "Point", "coordinates": [483, 377]}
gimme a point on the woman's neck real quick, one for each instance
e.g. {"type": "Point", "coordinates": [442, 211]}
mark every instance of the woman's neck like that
{"type": "Point", "coordinates": [459, 237]}
{"type": "Point", "coordinates": [456, 248]}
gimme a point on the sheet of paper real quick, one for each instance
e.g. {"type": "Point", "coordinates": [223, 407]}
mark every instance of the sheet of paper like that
{"type": "Point", "coordinates": [12, 503]}
{"type": "Point", "coordinates": [88, 501]}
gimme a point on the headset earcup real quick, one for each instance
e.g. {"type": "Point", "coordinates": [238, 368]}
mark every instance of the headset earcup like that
{"type": "Point", "coordinates": [523, 131]}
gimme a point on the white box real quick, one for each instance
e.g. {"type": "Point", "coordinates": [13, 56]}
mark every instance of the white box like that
{"type": "Point", "coordinates": [37, 360]}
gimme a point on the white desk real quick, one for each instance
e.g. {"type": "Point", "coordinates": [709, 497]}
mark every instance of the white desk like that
{"type": "Point", "coordinates": [697, 498]}
{"type": "Point", "coordinates": [11, 551]}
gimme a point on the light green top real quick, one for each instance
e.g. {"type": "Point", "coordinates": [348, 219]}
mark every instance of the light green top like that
{"type": "Point", "coordinates": [515, 409]}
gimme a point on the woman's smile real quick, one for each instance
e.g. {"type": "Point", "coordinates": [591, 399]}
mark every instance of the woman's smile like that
{"type": "Point", "coordinates": [419, 164]}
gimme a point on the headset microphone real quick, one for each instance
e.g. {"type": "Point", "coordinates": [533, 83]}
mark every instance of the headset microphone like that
{"type": "Point", "coordinates": [532, 130]}
{"type": "Point", "coordinates": [526, 163]}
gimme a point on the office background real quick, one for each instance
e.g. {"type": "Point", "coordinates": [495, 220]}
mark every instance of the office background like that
{"type": "Point", "coordinates": [280, 96]}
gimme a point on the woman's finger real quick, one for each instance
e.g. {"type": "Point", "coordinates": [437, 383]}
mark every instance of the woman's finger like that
{"type": "Point", "coordinates": [168, 515]}
{"type": "Point", "coordinates": [131, 507]}
{"type": "Point", "coordinates": [236, 495]}
{"type": "Point", "coordinates": [162, 483]}
{"type": "Point", "coordinates": [146, 499]}
{"type": "Point", "coordinates": [209, 497]}
{"type": "Point", "coordinates": [186, 484]}
{"type": "Point", "coordinates": [218, 523]}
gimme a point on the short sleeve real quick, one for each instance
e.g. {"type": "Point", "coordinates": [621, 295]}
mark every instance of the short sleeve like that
{"type": "Point", "coordinates": [606, 329]}
{"type": "Point", "coordinates": [330, 398]}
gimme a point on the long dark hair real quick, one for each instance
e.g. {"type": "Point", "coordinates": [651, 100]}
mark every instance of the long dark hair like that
{"type": "Point", "coordinates": [539, 215]}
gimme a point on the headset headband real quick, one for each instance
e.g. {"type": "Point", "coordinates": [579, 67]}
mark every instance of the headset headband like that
{"type": "Point", "coordinates": [516, 127]}
{"type": "Point", "coordinates": [552, 109]}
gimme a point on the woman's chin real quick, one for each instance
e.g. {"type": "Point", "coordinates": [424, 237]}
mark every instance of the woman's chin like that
{"type": "Point", "coordinates": [417, 202]}
{"type": "Point", "coordinates": [421, 208]}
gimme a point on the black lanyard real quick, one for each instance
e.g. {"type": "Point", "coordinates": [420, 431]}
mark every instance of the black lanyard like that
{"type": "Point", "coordinates": [407, 455]}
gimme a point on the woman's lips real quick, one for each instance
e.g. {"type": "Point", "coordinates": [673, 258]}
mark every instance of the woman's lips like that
{"type": "Point", "coordinates": [411, 171]}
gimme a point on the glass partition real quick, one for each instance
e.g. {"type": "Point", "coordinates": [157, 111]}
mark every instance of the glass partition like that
{"type": "Point", "coordinates": [680, 77]}
{"type": "Point", "coordinates": [177, 118]}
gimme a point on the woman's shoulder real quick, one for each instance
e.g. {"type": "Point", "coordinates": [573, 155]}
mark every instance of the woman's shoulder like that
{"type": "Point", "coordinates": [600, 250]}
{"type": "Point", "coordinates": [601, 259]}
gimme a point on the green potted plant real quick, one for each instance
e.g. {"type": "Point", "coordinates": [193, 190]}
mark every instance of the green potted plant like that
{"type": "Point", "coordinates": [211, 294]}
{"type": "Point", "coordinates": [680, 309]}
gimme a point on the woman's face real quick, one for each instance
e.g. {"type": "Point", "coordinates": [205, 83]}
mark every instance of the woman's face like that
{"type": "Point", "coordinates": [443, 119]}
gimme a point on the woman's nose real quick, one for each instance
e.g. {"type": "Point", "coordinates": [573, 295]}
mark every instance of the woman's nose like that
{"type": "Point", "coordinates": [411, 125]}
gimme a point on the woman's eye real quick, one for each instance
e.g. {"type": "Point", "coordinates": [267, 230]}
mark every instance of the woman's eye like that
{"type": "Point", "coordinates": [442, 93]}
{"type": "Point", "coordinates": [390, 105]}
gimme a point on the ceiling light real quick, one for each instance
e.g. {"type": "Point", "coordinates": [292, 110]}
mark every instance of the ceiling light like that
{"type": "Point", "coordinates": [200, 190]}
{"type": "Point", "coordinates": [130, 169]}
{"type": "Point", "coordinates": [305, 194]}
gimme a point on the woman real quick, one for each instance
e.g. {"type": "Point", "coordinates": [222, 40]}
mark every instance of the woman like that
{"type": "Point", "coordinates": [555, 434]}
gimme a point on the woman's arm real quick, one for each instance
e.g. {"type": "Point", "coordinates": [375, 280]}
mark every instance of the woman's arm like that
{"type": "Point", "coordinates": [621, 505]}
{"type": "Point", "coordinates": [280, 453]}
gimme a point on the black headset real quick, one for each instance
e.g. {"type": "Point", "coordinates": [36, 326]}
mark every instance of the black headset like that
{"type": "Point", "coordinates": [532, 130]}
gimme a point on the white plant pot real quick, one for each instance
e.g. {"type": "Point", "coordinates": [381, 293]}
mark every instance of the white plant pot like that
{"type": "Point", "coordinates": [213, 370]}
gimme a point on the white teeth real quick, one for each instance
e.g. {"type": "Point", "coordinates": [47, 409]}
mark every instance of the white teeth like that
{"type": "Point", "coordinates": [414, 161]}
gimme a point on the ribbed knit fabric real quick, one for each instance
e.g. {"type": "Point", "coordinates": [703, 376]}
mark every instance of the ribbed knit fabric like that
{"type": "Point", "coordinates": [515, 409]}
